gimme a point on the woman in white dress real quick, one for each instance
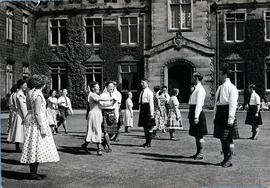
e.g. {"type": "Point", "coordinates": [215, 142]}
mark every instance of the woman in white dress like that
{"type": "Point", "coordinates": [39, 146]}
{"type": "Point", "coordinates": [128, 118]}
{"type": "Point", "coordinates": [52, 110]}
{"type": "Point", "coordinates": [94, 119]}
{"type": "Point", "coordinates": [16, 132]}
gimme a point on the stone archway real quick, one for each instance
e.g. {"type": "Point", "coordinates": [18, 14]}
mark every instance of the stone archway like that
{"type": "Point", "coordinates": [177, 73]}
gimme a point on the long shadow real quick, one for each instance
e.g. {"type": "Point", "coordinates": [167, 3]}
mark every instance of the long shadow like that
{"type": "Point", "coordinates": [161, 155]}
{"type": "Point", "coordinates": [75, 150]}
{"type": "Point", "coordinates": [129, 145]}
{"type": "Point", "coordinates": [10, 161]}
{"type": "Point", "coordinates": [8, 151]}
{"type": "Point", "coordinates": [183, 162]}
{"type": "Point", "coordinates": [15, 175]}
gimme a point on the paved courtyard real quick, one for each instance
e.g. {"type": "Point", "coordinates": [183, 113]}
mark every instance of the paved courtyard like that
{"type": "Point", "coordinates": [166, 164]}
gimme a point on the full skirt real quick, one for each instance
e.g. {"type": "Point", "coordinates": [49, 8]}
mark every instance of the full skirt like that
{"type": "Point", "coordinates": [173, 122]}
{"type": "Point", "coordinates": [51, 116]}
{"type": "Point", "coordinates": [94, 121]}
{"type": "Point", "coordinates": [200, 129]}
{"type": "Point", "coordinates": [16, 131]}
{"type": "Point", "coordinates": [128, 120]}
{"type": "Point", "coordinates": [251, 119]}
{"type": "Point", "coordinates": [37, 149]}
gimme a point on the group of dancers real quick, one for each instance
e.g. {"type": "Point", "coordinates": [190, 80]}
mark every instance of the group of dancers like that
{"type": "Point", "coordinates": [31, 116]}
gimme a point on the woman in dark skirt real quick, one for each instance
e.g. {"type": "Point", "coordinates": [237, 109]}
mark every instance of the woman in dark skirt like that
{"type": "Point", "coordinates": [146, 115]}
{"type": "Point", "coordinates": [253, 113]}
{"type": "Point", "coordinates": [197, 121]}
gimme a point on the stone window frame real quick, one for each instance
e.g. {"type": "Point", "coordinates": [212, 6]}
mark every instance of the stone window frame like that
{"type": "Point", "coordinates": [133, 63]}
{"type": "Point", "coordinates": [235, 31]}
{"type": "Point", "coordinates": [25, 28]}
{"type": "Point", "coordinates": [26, 72]}
{"type": "Point", "coordinates": [170, 28]}
{"type": "Point", "coordinates": [9, 23]}
{"type": "Point", "coordinates": [138, 30]}
{"type": "Point", "coordinates": [235, 71]}
{"type": "Point", "coordinates": [50, 31]}
{"type": "Point", "coordinates": [267, 71]}
{"type": "Point", "coordinates": [93, 67]}
{"type": "Point", "coordinates": [9, 76]}
{"type": "Point", "coordinates": [85, 34]}
{"type": "Point", "coordinates": [61, 70]}
{"type": "Point", "coordinates": [266, 20]}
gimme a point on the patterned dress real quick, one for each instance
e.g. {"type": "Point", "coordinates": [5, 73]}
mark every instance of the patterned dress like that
{"type": "Point", "coordinates": [174, 112]}
{"type": "Point", "coordinates": [12, 110]}
{"type": "Point", "coordinates": [163, 115]}
{"type": "Point", "coordinates": [37, 149]}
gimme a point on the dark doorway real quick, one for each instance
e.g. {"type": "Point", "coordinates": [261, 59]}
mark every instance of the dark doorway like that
{"type": "Point", "coordinates": [180, 77]}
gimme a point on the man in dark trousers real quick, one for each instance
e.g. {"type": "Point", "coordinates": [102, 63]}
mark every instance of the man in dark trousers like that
{"type": "Point", "coordinates": [225, 109]}
{"type": "Point", "coordinates": [146, 116]}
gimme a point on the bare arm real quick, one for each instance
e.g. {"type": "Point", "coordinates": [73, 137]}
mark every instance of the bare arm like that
{"type": "Point", "coordinates": [38, 115]}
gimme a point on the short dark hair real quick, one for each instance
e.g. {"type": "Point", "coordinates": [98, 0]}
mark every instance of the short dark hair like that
{"type": "Point", "coordinates": [145, 80]}
{"type": "Point", "coordinates": [198, 75]}
{"type": "Point", "coordinates": [225, 69]}
{"type": "Point", "coordinates": [156, 88]}
{"type": "Point", "coordinates": [108, 82]}
{"type": "Point", "coordinates": [175, 91]}
{"type": "Point", "coordinates": [164, 87]}
{"type": "Point", "coordinates": [38, 81]}
{"type": "Point", "coordinates": [51, 91]}
{"type": "Point", "coordinates": [20, 83]}
{"type": "Point", "coordinates": [92, 85]}
{"type": "Point", "coordinates": [13, 89]}
{"type": "Point", "coordinates": [252, 86]}
{"type": "Point", "coordinates": [30, 83]}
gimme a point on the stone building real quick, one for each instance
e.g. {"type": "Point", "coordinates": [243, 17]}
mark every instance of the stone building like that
{"type": "Point", "coordinates": [241, 35]}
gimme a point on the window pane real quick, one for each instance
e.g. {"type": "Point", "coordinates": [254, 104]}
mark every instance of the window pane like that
{"type": "Point", "coordinates": [175, 1]}
{"type": "Point", "coordinates": [98, 22]}
{"type": "Point", "coordinates": [240, 29]}
{"type": "Point", "coordinates": [63, 78]}
{"type": "Point", "coordinates": [54, 23]}
{"type": "Point", "coordinates": [186, 1]}
{"type": "Point", "coordinates": [230, 17]}
{"type": "Point", "coordinates": [124, 68]}
{"type": "Point", "coordinates": [175, 16]}
{"type": "Point", "coordinates": [63, 36]}
{"type": "Point", "coordinates": [98, 78]}
{"type": "Point", "coordinates": [230, 31]}
{"type": "Point", "coordinates": [98, 35]}
{"type": "Point", "coordinates": [89, 35]}
{"type": "Point", "coordinates": [267, 30]}
{"type": "Point", "coordinates": [134, 82]}
{"type": "Point", "coordinates": [88, 22]}
{"type": "Point", "coordinates": [240, 66]}
{"type": "Point", "coordinates": [240, 17]}
{"type": "Point", "coordinates": [89, 78]}
{"type": "Point", "coordinates": [126, 81]}
{"type": "Point", "coordinates": [133, 68]}
{"type": "Point", "coordinates": [124, 31]}
{"type": "Point", "coordinates": [55, 81]}
{"type": "Point", "coordinates": [268, 79]}
{"type": "Point", "coordinates": [63, 23]}
{"type": "Point", "coordinates": [98, 70]}
{"type": "Point", "coordinates": [133, 21]}
{"type": "Point", "coordinates": [186, 16]}
{"type": "Point", "coordinates": [232, 77]}
{"type": "Point", "coordinates": [124, 21]}
{"type": "Point", "coordinates": [133, 34]}
{"type": "Point", "coordinates": [240, 80]}
{"type": "Point", "coordinates": [54, 36]}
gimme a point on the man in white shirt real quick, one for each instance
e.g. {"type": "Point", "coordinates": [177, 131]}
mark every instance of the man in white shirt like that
{"type": "Point", "coordinates": [65, 109]}
{"type": "Point", "coordinates": [146, 116]}
{"type": "Point", "coordinates": [253, 113]}
{"type": "Point", "coordinates": [197, 121]}
{"type": "Point", "coordinates": [225, 109]}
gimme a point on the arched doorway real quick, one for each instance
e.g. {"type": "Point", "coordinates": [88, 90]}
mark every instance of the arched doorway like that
{"type": "Point", "coordinates": [179, 76]}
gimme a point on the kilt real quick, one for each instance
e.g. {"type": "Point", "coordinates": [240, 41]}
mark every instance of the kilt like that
{"type": "Point", "coordinates": [251, 119]}
{"type": "Point", "coordinates": [145, 120]}
{"type": "Point", "coordinates": [200, 129]}
{"type": "Point", "coordinates": [106, 128]}
{"type": "Point", "coordinates": [120, 120]}
{"type": "Point", "coordinates": [63, 113]}
{"type": "Point", "coordinates": [221, 128]}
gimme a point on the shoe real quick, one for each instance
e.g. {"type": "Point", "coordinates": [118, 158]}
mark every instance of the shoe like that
{"type": "Point", "coordinates": [149, 145]}
{"type": "Point", "coordinates": [227, 164]}
{"type": "Point", "coordinates": [99, 152]}
{"type": "Point", "coordinates": [35, 177]}
{"type": "Point", "coordinates": [84, 147]}
{"type": "Point", "coordinates": [222, 162]}
{"type": "Point", "coordinates": [104, 145]}
{"type": "Point", "coordinates": [109, 150]}
{"type": "Point", "coordinates": [198, 157]}
{"type": "Point", "coordinates": [144, 145]}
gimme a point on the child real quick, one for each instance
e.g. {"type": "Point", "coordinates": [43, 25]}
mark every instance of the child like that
{"type": "Point", "coordinates": [128, 118]}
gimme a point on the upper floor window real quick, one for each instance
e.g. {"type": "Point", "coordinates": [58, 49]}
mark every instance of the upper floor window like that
{"type": "Point", "coordinates": [25, 72]}
{"type": "Point", "coordinates": [93, 72]}
{"type": "Point", "coordinates": [9, 23]}
{"type": "Point", "coordinates": [9, 77]}
{"type": "Point", "coordinates": [235, 27]}
{"type": "Point", "coordinates": [129, 29]}
{"type": "Point", "coordinates": [267, 25]}
{"type": "Point", "coordinates": [237, 75]}
{"type": "Point", "coordinates": [57, 31]}
{"type": "Point", "coordinates": [267, 76]}
{"type": "Point", "coordinates": [25, 29]}
{"type": "Point", "coordinates": [180, 14]}
{"type": "Point", "coordinates": [59, 77]}
{"type": "Point", "coordinates": [93, 30]}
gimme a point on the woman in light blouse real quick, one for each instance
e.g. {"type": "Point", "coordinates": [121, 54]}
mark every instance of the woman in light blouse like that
{"type": "Point", "coordinates": [253, 113]}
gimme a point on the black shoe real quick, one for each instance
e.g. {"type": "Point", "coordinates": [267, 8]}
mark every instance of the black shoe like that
{"type": "Point", "coordinates": [227, 164]}
{"type": "Point", "coordinates": [109, 150]}
{"type": "Point", "coordinates": [35, 177]}
{"type": "Point", "coordinates": [84, 147]}
{"type": "Point", "coordinates": [144, 145]}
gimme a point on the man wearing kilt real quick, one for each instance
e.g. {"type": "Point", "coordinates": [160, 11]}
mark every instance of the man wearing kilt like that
{"type": "Point", "coordinates": [146, 116]}
{"type": "Point", "coordinates": [253, 113]}
{"type": "Point", "coordinates": [225, 109]}
{"type": "Point", "coordinates": [197, 121]}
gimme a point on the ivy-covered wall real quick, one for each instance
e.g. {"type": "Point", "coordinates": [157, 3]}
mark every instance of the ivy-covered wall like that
{"type": "Point", "coordinates": [253, 50]}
